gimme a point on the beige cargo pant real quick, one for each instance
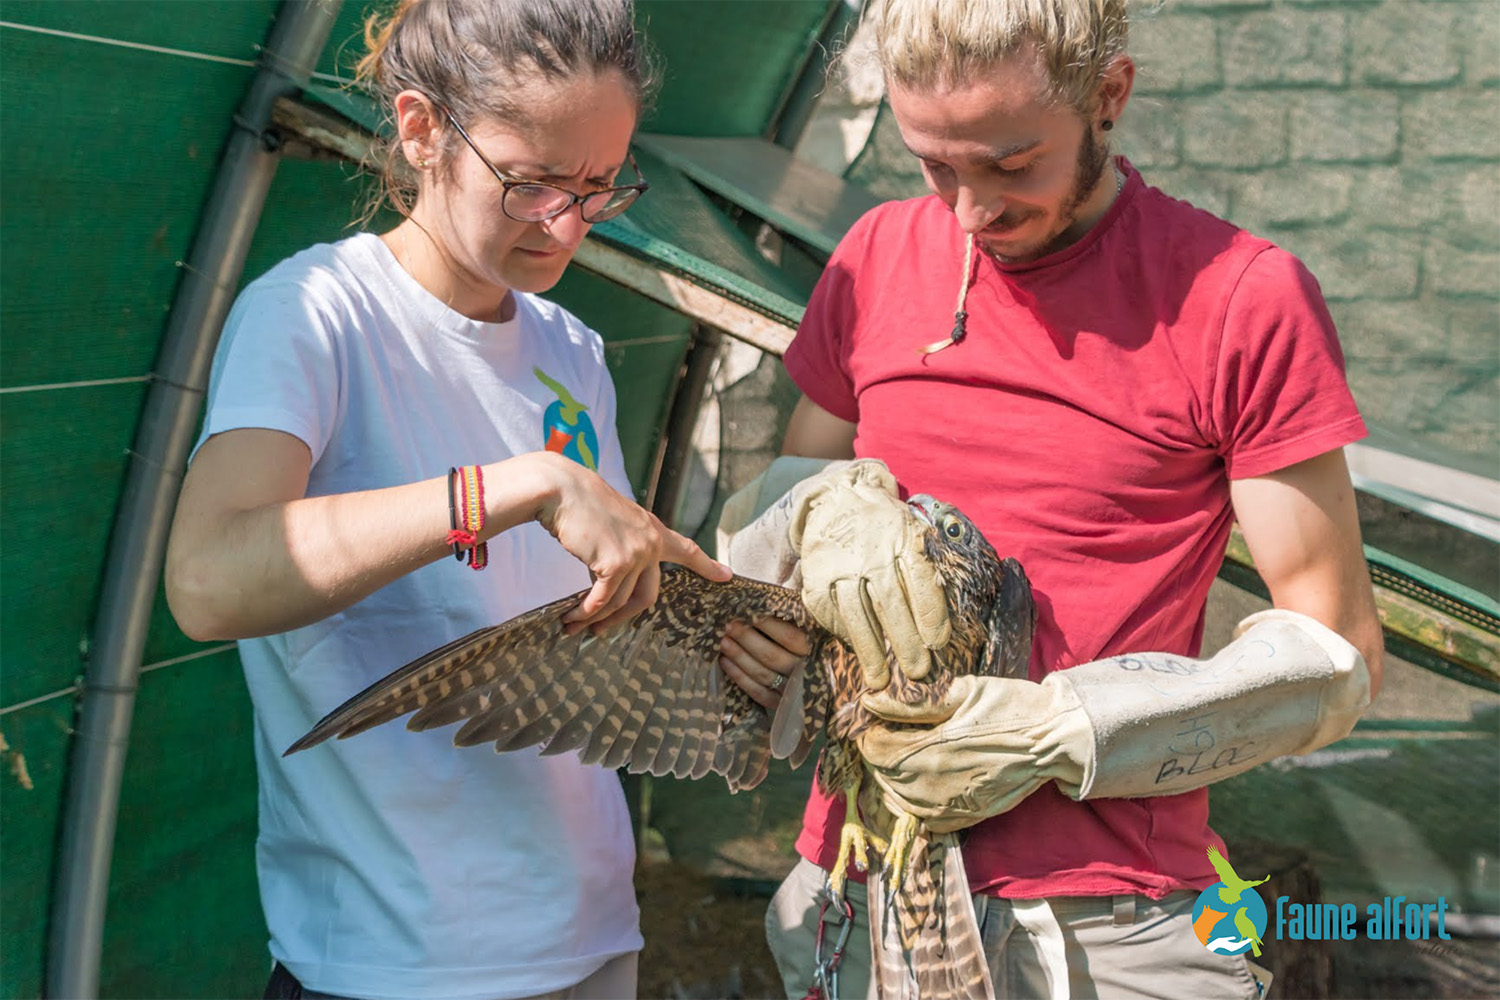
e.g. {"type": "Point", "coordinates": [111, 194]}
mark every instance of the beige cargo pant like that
{"type": "Point", "coordinates": [1081, 947]}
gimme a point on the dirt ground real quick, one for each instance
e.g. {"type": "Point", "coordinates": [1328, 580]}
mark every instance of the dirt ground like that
{"type": "Point", "coordinates": [705, 937]}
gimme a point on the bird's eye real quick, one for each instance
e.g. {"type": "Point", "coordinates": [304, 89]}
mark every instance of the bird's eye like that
{"type": "Point", "coordinates": [952, 527]}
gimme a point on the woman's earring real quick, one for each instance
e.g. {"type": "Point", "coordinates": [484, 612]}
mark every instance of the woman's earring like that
{"type": "Point", "coordinates": [1106, 124]}
{"type": "Point", "coordinates": [422, 163]}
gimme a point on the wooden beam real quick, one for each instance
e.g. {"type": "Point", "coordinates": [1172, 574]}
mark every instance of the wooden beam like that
{"type": "Point", "coordinates": [306, 127]}
{"type": "Point", "coordinates": [311, 133]}
{"type": "Point", "coordinates": [684, 296]}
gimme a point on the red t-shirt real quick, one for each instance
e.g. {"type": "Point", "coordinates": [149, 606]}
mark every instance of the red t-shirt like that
{"type": "Point", "coordinates": [1089, 425]}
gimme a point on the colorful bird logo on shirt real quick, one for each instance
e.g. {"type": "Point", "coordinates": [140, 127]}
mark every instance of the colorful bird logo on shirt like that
{"type": "Point", "coordinates": [566, 427]}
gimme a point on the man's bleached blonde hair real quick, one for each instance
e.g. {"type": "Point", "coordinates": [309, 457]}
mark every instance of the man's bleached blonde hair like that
{"type": "Point", "coordinates": [924, 44]}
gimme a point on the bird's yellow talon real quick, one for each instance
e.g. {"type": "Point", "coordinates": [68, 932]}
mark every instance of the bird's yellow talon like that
{"type": "Point", "coordinates": [898, 853]}
{"type": "Point", "coordinates": [854, 845]}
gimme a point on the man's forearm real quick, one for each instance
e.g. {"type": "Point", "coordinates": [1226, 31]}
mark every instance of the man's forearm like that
{"type": "Point", "coordinates": [1127, 726]}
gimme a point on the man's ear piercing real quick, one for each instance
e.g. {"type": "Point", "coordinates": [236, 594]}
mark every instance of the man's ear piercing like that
{"type": "Point", "coordinates": [1106, 124]}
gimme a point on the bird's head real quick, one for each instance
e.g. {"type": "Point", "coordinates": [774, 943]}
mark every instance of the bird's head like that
{"type": "Point", "coordinates": [989, 599]}
{"type": "Point", "coordinates": [966, 558]}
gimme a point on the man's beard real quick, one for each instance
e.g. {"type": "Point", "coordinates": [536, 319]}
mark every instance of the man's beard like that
{"type": "Point", "coordinates": [1093, 160]}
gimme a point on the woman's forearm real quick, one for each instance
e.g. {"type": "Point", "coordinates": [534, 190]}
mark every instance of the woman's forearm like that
{"type": "Point", "coordinates": [273, 567]}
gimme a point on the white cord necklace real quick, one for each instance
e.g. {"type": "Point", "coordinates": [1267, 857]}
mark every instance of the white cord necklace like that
{"type": "Point", "coordinates": [960, 315]}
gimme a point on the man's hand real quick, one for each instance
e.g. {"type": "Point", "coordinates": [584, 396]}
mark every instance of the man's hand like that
{"type": "Point", "coordinates": [865, 576]}
{"type": "Point", "coordinates": [760, 656]}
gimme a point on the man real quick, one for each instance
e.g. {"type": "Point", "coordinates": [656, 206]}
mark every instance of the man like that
{"type": "Point", "coordinates": [1125, 376]}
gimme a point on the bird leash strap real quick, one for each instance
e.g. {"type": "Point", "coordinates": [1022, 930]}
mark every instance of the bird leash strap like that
{"type": "Point", "coordinates": [825, 982]}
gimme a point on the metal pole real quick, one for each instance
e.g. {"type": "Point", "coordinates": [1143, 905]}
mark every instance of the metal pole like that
{"type": "Point", "coordinates": [682, 420]}
{"type": "Point", "coordinates": [138, 541]}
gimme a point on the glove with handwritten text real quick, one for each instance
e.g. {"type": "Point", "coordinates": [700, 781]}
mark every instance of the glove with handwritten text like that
{"type": "Point", "coordinates": [1128, 726]}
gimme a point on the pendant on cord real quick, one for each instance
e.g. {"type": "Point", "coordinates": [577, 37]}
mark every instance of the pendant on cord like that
{"type": "Point", "coordinates": [960, 331]}
{"type": "Point", "coordinates": [960, 316]}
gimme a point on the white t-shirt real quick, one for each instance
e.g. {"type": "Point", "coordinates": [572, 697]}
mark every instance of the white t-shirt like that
{"type": "Point", "coordinates": [393, 865]}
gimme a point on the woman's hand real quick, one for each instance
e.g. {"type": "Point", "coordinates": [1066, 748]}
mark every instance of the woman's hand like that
{"type": "Point", "coordinates": [759, 656]}
{"type": "Point", "coordinates": [621, 543]}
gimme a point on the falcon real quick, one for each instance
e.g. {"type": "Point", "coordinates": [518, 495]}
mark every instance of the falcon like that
{"type": "Point", "coordinates": [648, 695]}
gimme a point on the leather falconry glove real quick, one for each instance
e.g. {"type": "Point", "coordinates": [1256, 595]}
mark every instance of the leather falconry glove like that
{"type": "Point", "coordinates": [1128, 726]}
{"type": "Point", "coordinates": [850, 544]}
{"type": "Point", "coordinates": [752, 532]}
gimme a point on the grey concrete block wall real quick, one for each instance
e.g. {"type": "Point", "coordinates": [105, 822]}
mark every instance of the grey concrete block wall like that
{"type": "Point", "coordinates": [1364, 136]}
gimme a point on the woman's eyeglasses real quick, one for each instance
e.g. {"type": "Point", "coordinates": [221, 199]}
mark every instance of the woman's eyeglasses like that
{"type": "Point", "coordinates": [538, 201]}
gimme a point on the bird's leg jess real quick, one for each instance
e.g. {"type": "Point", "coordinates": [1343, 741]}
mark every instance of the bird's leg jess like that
{"type": "Point", "coordinates": [855, 841]}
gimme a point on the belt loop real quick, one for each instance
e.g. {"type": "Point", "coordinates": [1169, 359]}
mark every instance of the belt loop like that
{"type": "Point", "coordinates": [1124, 910]}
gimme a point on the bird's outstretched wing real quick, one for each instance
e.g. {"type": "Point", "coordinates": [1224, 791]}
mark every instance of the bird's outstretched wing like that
{"type": "Point", "coordinates": [648, 696]}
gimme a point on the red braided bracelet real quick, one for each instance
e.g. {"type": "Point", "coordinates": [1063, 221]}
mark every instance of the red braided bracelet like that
{"type": "Point", "coordinates": [470, 507]}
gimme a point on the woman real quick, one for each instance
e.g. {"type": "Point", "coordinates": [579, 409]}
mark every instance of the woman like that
{"type": "Point", "coordinates": [319, 508]}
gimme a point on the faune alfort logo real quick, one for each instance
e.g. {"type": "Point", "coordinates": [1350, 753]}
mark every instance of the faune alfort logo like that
{"type": "Point", "coordinates": [1230, 918]}
{"type": "Point", "coordinates": [1388, 920]}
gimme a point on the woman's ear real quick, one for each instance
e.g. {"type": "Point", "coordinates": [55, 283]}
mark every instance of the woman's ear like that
{"type": "Point", "coordinates": [419, 124]}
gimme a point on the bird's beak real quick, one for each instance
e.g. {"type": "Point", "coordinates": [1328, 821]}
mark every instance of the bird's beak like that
{"type": "Point", "coordinates": [924, 507]}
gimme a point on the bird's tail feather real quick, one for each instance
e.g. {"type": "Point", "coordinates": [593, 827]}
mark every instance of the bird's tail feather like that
{"type": "Point", "coordinates": [924, 939]}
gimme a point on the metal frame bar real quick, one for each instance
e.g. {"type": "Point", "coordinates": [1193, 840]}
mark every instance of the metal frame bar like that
{"type": "Point", "coordinates": [139, 539]}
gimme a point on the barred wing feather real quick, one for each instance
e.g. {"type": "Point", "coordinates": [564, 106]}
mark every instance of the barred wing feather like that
{"type": "Point", "coordinates": [649, 696]}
